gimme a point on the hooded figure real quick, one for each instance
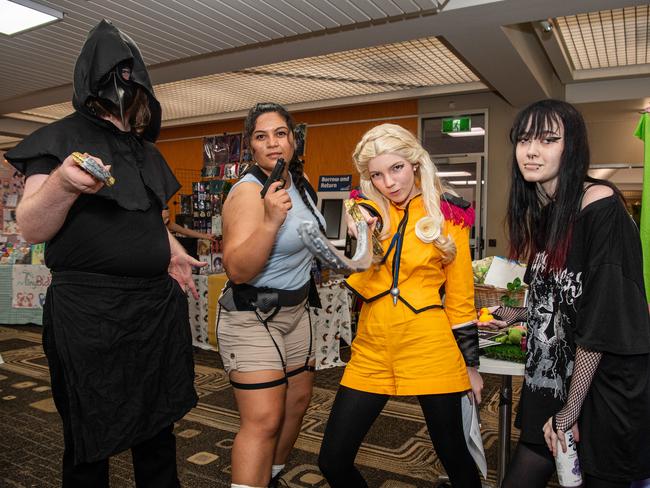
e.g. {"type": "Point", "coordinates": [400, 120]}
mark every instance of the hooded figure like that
{"type": "Point", "coordinates": [105, 49]}
{"type": "Point", "coordinates": [115, 320]}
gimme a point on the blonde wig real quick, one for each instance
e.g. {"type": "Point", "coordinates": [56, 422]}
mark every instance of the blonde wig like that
{"type": "Point", "coordinates": [394, 139]}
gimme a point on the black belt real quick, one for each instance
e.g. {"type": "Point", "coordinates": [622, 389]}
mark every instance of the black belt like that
{"type": "Point", "coordinates": [245, 297]}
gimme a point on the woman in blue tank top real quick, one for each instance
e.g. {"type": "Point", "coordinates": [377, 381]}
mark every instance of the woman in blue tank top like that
{"type": "Point", "coordinates": [263, 326]}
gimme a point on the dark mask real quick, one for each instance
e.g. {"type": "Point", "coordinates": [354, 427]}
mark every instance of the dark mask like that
{"type": "Point", "coordinates": [116, 86]}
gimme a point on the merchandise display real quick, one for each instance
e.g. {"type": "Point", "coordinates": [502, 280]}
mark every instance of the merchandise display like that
{"type": "Point", "coordinates": [22, 286]}
{"type": "Point", "coordinates": [13, 248]}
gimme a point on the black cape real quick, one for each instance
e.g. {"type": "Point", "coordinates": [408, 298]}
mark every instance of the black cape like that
{"type": "Point", "coordinates": [135, 162]}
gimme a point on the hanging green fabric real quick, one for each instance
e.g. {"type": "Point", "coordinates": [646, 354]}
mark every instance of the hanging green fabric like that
{"type": "Point", "coordinates": [643, 133]}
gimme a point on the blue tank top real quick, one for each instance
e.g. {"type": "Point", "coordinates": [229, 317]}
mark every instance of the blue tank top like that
{"type": "Point", "coordinates": [290, 261]}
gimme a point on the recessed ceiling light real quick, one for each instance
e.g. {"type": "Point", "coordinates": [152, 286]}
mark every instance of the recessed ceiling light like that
{"type": "Point", "coordinates": [453, 174]}
{"type": "Point", "coordinates": [463, 182]}
{"type": "Point", "coordinates": [21, 15]}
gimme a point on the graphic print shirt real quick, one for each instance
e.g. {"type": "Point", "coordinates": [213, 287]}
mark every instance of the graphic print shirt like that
{"type": "Point", "coordinates": [596, 301]}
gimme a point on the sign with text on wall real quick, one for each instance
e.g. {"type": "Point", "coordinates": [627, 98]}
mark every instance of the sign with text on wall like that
{"type": "Point", "coordinates": [335, 183]}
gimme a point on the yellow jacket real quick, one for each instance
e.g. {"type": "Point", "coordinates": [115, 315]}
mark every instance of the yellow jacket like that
{"type": "Point", "coordinates": [421, 272]}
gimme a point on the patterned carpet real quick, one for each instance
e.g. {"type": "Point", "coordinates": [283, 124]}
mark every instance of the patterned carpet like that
{"type": "Point", "coordinates": [397, 452]}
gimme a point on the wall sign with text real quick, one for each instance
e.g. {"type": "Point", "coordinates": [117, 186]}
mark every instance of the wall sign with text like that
{"type": "Point", "coordinates": [335, 183]}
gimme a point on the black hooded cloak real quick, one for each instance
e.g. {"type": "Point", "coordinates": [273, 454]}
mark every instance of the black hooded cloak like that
{"type": "Point", "coordinates": [135, 162]}
{"type": "Point", "coordinates": [118, 230]}
{"type": "Point", "coordinates": [116, 325]}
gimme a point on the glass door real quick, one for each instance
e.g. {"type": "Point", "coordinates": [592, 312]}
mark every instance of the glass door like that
{"type": "Point", "coordinates": [464, 175]}
{"type": "Point", "coordinates": [459, 156]}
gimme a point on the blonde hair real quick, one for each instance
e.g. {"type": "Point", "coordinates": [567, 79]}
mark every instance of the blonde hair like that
{"type": "Point", "coordinates": [394, 139]}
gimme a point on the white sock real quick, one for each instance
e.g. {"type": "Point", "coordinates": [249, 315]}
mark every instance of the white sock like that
{"type": "Point", "coordinates": [275, 469]}
{"type": "Point", "coordinates": [235, 485]}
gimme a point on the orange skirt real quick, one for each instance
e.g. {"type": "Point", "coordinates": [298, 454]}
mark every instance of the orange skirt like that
{"type": "Point", "coordinates": [398, 352]}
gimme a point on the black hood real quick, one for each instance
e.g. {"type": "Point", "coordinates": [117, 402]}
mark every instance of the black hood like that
{"type": "Point", "coordinates": [105, 47]}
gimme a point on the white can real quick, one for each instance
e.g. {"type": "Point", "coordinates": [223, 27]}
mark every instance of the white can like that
{"type": "Point", "coordinates": [567, 464]}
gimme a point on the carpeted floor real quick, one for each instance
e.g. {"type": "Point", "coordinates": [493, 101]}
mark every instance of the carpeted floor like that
{"type": "Point", "coordinates": [397, 452]}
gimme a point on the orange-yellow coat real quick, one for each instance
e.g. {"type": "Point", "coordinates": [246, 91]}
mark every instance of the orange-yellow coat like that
{"type": "Point", "coordinates": [397, 351]}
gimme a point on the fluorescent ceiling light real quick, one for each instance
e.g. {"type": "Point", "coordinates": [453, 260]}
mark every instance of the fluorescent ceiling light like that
{"type": "Point", "coordinates": [453, 174]}
{"type": "Point", "coordinates": [463, 182]}
{"type": "Point", "coordinates": [476, 131]}
{"type": "Point", "coordinates": [21, 15]}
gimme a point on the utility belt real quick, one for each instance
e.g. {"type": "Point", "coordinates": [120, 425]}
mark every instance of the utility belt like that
{"type": "Point", "coordinates": [245, 297]}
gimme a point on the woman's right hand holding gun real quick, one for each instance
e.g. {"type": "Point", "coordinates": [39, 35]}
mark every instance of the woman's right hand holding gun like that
{"type": "Point", "coordinates": [277, 204]}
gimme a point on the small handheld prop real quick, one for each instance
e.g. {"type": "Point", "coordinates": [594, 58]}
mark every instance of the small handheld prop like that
{"type": "Point", "coordinates": [92, 167]}
{"type": "Point", "coordinates": [331, 257]}
{"type": "Point", "coordinates": [353, 209]}
{"type": "Point", "coordinates": [276, 175]}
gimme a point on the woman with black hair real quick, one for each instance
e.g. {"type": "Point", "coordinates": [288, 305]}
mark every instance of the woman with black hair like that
{"type": "Point", "coordinates": [588, 357]}
{"type": "Point", "coordinates": [264, 328]}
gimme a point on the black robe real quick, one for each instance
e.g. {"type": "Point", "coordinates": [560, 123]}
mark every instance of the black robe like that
{"type": "Point", "coordinates": [116, 325]}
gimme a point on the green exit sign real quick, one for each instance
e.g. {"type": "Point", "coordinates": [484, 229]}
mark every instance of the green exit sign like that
{"type": "Point", "coordinates": [458, 124]}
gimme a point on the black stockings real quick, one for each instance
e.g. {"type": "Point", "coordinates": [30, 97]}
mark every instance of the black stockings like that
{"type": "Point", "coordinates": [354, 412]}
{"type": "Point", "coordinates": [533, 465]}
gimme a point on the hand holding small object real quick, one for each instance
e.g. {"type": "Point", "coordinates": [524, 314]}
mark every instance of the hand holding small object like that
{"type": "Point", "coordinates": [355, 213]}
{"type": "Point", "coordinates": [487, 321]}
{"type": "Point", "coordinates": [74, 179]}
{"type": "Point", "coordinates": [94, 167]}
{"type": "Point", "coordinates": [277, 204]}
{"type": "Point", "coordinates": [485, 315]}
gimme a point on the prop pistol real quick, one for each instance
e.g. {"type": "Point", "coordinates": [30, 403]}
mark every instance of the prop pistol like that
{"type": "Point", "coordinates": [276, 175]}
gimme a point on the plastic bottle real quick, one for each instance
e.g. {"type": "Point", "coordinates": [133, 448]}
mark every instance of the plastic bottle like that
{"type": "Point", "coordinates": [567, 464]}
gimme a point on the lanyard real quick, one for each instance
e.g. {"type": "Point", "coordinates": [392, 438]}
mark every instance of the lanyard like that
{"type": "Point", "coordinates": [396, 243]}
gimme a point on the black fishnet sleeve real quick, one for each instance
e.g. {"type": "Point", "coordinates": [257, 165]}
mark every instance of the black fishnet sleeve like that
{"type": "Point", "coordinates": [586, 364]}
{"type": "Point", "coordinates": [511, 315]}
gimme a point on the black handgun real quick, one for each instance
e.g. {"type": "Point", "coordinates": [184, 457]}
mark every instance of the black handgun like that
{"type": "Point", "coordinates": [276, 175]}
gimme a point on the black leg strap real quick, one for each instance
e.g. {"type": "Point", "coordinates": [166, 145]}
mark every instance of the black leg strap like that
{"type": "Point", "coordinates": [265, 323]}
{"type": "Point", "coordinates": [301, 369]}
{"type": "Point", "coordinates": [259, 386]}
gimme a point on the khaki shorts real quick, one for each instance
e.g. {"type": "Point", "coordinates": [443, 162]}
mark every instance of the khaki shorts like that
{"type": "Point", "coordinates": [245, 345]}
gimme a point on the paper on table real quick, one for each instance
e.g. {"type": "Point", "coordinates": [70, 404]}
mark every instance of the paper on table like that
{"type": "Point", "coordinates": [472, 430]}
{"type": "Point", "coordinates": [503, 271]}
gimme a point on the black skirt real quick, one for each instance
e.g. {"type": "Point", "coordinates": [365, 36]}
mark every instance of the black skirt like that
{"type": "Point", "coordinates": [120, 354]}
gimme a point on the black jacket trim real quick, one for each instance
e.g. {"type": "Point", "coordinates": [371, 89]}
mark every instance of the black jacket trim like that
{"type": "Point", "coordinates": [387, 292]}
{"type": "Point", "coordinates": [454, 200]}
